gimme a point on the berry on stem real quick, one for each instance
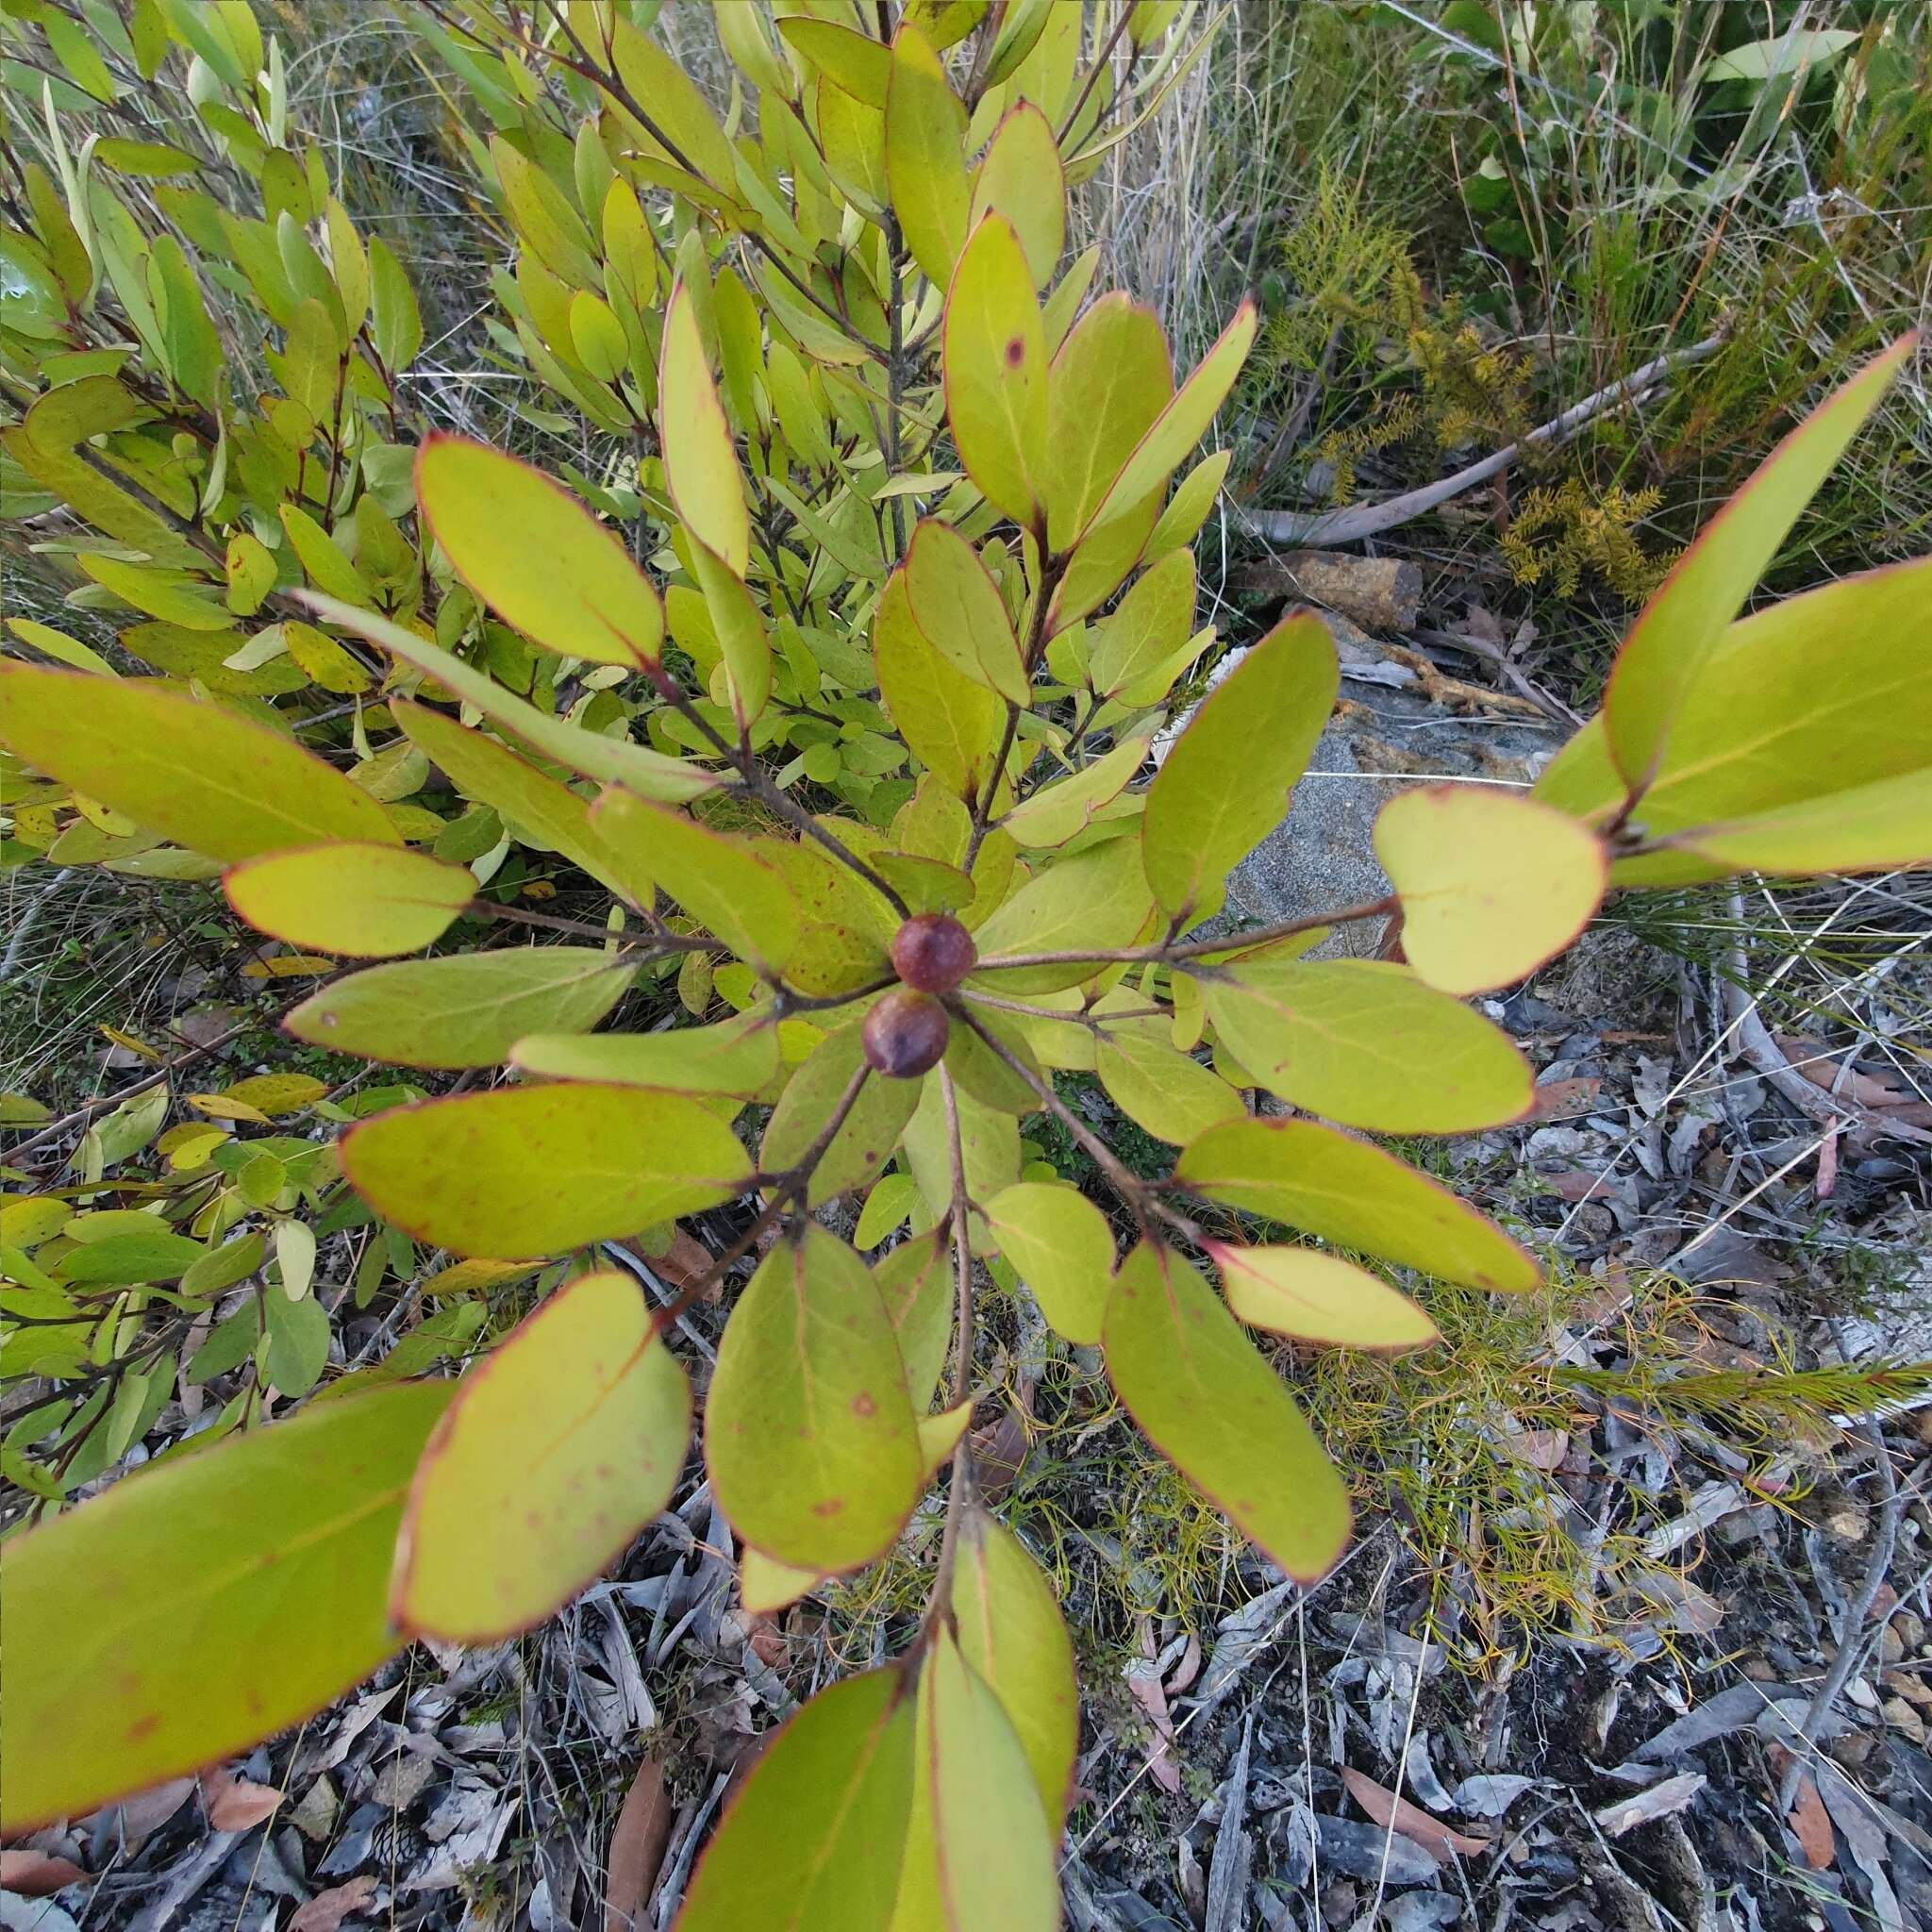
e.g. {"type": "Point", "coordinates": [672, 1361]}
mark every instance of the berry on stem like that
{"type": "Point", "coordinates": [932, 952]}
{"type": "Point", "coordinates": [905, 1034]}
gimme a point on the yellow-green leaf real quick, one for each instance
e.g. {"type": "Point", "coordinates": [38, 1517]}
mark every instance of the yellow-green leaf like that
{"type": "Point", "coordinates": [854, 61]}
{"type": "Point", "coordinates": [925, 166]}
{"type": "Point", "coordinates": [700, 463]}
{"type": "Point", "coordinates": [364, 902]}
{"type": "Point", "coordinates": [1096, 900]}
{"type": "Point", "coordinates": [1225, 782]}
{"type": "Point", "coordinates": [1682, 623]}
{"type": "Point", "coordinates": [195, 773]}
{"type": "Point", "coordinates": [950, 722]}
{"type": "Point", "coordinates": [1867, 828]}
{"type": "Point", "coordinates": [1218, 1411]}
{"type": "Point", "coordinates": [466, 1011]}
{"type": "Point", "coordinates": [529, 1170]}
{"type": "Point", "coordinates": [809, 1432]}
{"type": "Point", "coordinates": [1061, 1247]}
{"type": "Point", "coordinates": [203, 1605]}
{"type": "Point", "coordinates": [1152, 621]}
{"type": "Point", "coordinates": [739, 1056]}
{"type": "Point", "coordinates": [1161, 1090]}
{"type": "Point", "coordinates": [960, 612]}
{"type": "Point", "coordinates": [916, 1283]}
{"type": "Point", "coordinates": [1318, 1297]}
{"type": "Point", "coordinates": [1184, 420]}
{"type": "Point", "coordinates": [1056, 812]}
{"type": "Point", "coordinates": [1492, 884]}
{"type": "Point", "coordinates": [599, 1412]}
{"type": "Point", "coordinates": [994, 359]}
{"type": "Point", "coordinates": [536, 556]}
{"type": "Point", "coordinates": [862, 1146]}
{"type": "Point", "coordinates": [812, 1837]}
{"type": "Point", "coordinates": [1020, 177]}
{"type": "Point", "coordinates": [1367, 1043]}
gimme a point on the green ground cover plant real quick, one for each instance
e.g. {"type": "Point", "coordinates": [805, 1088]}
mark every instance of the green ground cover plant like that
{"type": "Point", "coordinates": [834, 698]}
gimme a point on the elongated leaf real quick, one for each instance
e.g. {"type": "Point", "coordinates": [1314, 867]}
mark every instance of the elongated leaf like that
{"type": "Point", "coordinates": [957, 609]}
{"type": "Point", "coordinates": [1020, 177]}
{"type": "Point", "coordinates": [1216, 1410]}
{"type": "Point", "coordinates": [1682, 623]}
{"type": "Point", "coordinates": [531, 1171]}
{"type": "Point", "coordinates": [809, 1432]}
{"type": "Point", "coordinates": [700, 463]}
{"type": "Point", "coordinates": [1318, 1297]}
{"type": "Point", "coordinates": [1868, 828]}
{"type": "Point", "coordinates": [464, 1011]}
{"type": "Point", "coordinates": [1158, 1088]}
{"type": "Point", "coordinates": [203, 1605]}
{"type": "Point", "coordinates": [1368, 1044]}
{"type": "Point", "coordinates": [994, 355]}
{"type": "Point", "coordinates": [536, 556]}
{"type": "Point", "coordinates": [195, 773]}
{"type": "Point", "coordinates": [1096, 900]}
{"type": "Point", "coordinates": [950, 722]}
{"type": "Point", "coordinates": [916, 1283]}
{"type": "Point", "coordinates": [1010, 1632]}
{"type": "Point", "coordinates": [862, 1146]}
{"type": "Point", "coordinates": [1110, 380]}
{"type": "Point", "coordinates": [1356, 1195]}
{"type": "Point", "coordinates": [612, 760]}
{"type": "Point", "coordinates": [737, 1056]}
{"type": "Point", "coordinates": [812, 1837]}
{"type": "Point", "coordinates": [925, 131]}
{"type": "Point", "coordinates": [1152, 621]}
{"type": "Point", "coordinates": [716, 878]}
{"type": "Point", "coordinates": [364, 902]}
{"type": "Point", "coordinates": [600, 1415]}
{"type": "Point", "coordinates": [1182, 423]}
{"type": "Point", "coordinates": [1492, 884]}
{"type": "Point", "coordinates": [1061, 1247]}
{"type": "Point", "coordinates": [859, 64]}
{"type": "Point", "coordinates": [1056, 812]}
{"type": "Point", "coordinates": [1225, 782]}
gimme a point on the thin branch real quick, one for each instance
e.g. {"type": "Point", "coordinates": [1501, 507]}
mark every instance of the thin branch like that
{"type": "Point", "coordinates": [960, 1491]}
{"type": "Point", "coordinates": [1171, 953]}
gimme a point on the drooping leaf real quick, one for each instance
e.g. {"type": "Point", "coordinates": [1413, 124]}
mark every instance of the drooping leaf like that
{"type": "Point", "coordinates": [812, 1836]}
{"type": "Point", "coordinates": [949, 721]}
{"type": "Point", "coordinates": [737, 1056]}
{"type": "Point", "coordinates": [1368, 1044]}
{"type": "Point", "coordinates": [994, 359]}
{"type": "Point", "coordinates": [1354, 1194]}
{"type": "Point", "coordinates": [957, 609]}
{"type": "Point", "coordinates": [195, 773]}
{"type": "Point", "coordinates": [203, 1605]}
{"type": "Point", "coordinates": [809, 1432]}
{"type": "Point", "coordinates": [1226, 778]}
{"type": "Point", "coordinates": [363, 902]}
{"type": "Point", "coordinates": [1492, 884]}
{"type": "Point", "coordinates": [1061, 1247]}
{"type": "Point", "coordinates": [466, 1011]}
{"type": "Point", "coordinates": [862, 1146]}
{"type": "Point", "coordinates": [925, 130]}
{"type": "Point", "coordinates": [1318, 1297]}
{"type": "Point", "coordinates": [1216, 1410]}
{"type": "Point", "coordinates": [532, 1171]}
{"type": "Point", "coordinates": [1682, 623]}
{"type": "Point", "coordinates": [600, 1414]}
{"type": "Point", "coordinates": [536, 556]}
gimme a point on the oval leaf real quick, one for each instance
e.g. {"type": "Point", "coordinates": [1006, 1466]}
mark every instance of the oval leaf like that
{"type": "Point", "coordinates": [1061, 1247]}
{"type": "Point", "coordinates": [363, 902]}
{"type": "Point", "coordinates": [994, 359]}
{"type": "Point", "coordinates": [700, 462]}
{"type": "Point", "coordinates": [738, 1056]}
{"type": "Point", "coordinates": [1318, 1297]}
{"type": "Point", "coordinates": [960, 612]}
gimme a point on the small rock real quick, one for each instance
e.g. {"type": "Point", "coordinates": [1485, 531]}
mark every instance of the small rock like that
{"type": "Point", "coordinates": [1891, 1647]}
{"type": "Point", "coordinates": [1848, 1523]}
{"type": "Point", "coordinates": [1901, 1717]}
{"type": "Point", "coordinates": [1911, 1630]}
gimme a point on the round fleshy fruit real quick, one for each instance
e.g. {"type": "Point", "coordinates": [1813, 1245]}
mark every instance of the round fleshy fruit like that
{"type": "Point", "coordinates": [932, 952]}
{"type": "Point", "coordinates": [905, 1035]}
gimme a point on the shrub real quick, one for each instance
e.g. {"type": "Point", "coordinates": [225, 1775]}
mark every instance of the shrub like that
{"type": "Point", "coordinates": [820, 699]}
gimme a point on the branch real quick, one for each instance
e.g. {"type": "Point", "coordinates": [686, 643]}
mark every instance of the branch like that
{"type": "Point", "coordinates": [1355, 522]}
{"type": "Point", "coordinates": [1171, 954]}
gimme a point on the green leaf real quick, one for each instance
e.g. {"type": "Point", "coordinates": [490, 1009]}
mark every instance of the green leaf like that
{"type": "Point", "coordinates": [700, 462]}
{"type": "Point", "coordinates": [1161, 1090]}
{"type": "Point", "coordinates": [1010, 1632]}
{"type": "Point", "coordinates": [365, 902]}
{"type": "Point", "coordinates": [994, 359]}
{"type": "Point", "coordinates": [121, 1260]}
{"type": "Point", "coordinates": [536, 556]}
{"type": "Point", "coordinates": [531, 1171]}
{"type": "Point", "coordinates": [201, 1605]}
{"type": "Point", "coordinates": [612, 760]}
{"type": "Point", "coordinates": [1782, 54]}
{"type": "Point", "coordinates": [1148, 624]}
{"type": "Point", "coordinates": [1187, 508]}
{"type": "Point", "coordinates": [916, 1284]}
{"type": "Point", "coordinates": [599, 1412]}
{"type": "Point", "coordinates": [739, 1056]}
{"type": "Point", "coordinates": [1094, 901]}
{"type": "Point", "coordinates": [719, 879]}
{"type": "Point", "coordinates": [949, 721]}
{"type": "Point", "coordinates": [1218, 1411]}
{"type": "Point", "coordinates": [960, 612]}
{"type": "Point", "coordinates": [925, 131]}
{"type": "Point", "coordinates": [1107, 385]}
{"type": "Point", "coordinates": [812, 1836]}
{"type": "Point", "coordinates": [809, 1432]}
{"type": "Point", "coordinates": [1357, 1196]}
{"type": "Point", "coordinates": [297, 1350]}
{"type": "Point", "coordinates": [1020, 177]}
{"type": "Point", "coordinates": [862, 1146]}
{"type": "Point", "coordinates": [1868, 828]}
{"type": "Point", "coordinates": [1681, 626]}
{"type": "Point", "coordinates": [1225, 782]}
{"type": "Point", "coordinates": [989, 1139]}
{"type": "Point", "coordinates": [466, 1011]}
{"type": "Point", "coordinates": [394, 318]}
{"type": "Point", "coordinates": [1491, 885]}
{"type": "Point", "coordinates": [1317, 1297]}
{"type": "Point", "coordinates": [1367, 1043]}
{"type": "Point", "coordinates": [854, 62]}
{"type": "Point", "coordinates": [1182, 423]}
{"type": "Point", "coordinates": [1056, 812]}
{"type": "Point", "coordinates": [1060, 1247]}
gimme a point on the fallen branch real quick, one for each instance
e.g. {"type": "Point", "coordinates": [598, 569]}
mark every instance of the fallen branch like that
{"type": "Point", "coordinates": [1355, 522]}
